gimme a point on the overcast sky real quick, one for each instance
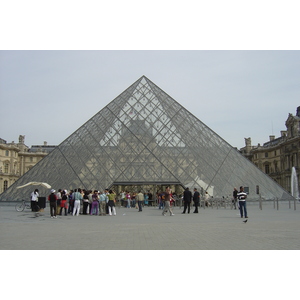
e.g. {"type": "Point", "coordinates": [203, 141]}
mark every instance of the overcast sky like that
{"type": "Point", "coordinates": [47, 95]}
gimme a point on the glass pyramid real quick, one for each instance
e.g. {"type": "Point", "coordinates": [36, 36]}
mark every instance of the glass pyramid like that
{"type": "Point", "coordinates": [145, 137]}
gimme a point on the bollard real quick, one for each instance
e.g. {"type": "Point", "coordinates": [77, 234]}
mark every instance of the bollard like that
{"type": "Point", "coordinates": [277, 203]}
{"type": "Point", "coordinates": [274, 203]}
{"type": "Point", "coordinates": [260, 203]}
{"type": "Point", "coordinates": [289, 203]}
{"type": "Point", "coordinates": [294, 204]}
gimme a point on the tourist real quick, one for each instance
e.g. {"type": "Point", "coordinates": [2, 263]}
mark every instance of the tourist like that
{"type": "Point", "coordinates": [34, 200]}
{"type": "Point", "coordinates": [150, 199]}
{"type": "Point", "coordinates": [111, 203]}
{"type": "Point", "coordinates": [90, 196]}
{"type": "Point", "coordinates": [103, 199]}
{"type": "Point", "coordinates": [128, 197]}
{"type": "Point", "coordinates": [77, 198]}
{"type": "Point", "coordinates": [85, 202]}
{"type": "Point", "coordinates": [166, 198]}
{"type": "Point", "coordinates": [242, 202]}
{"type": "Point", "coordinates": [196, 199]}
{"type": "Point", "coordinates": [71, 202]}
{"type": "Point", "coordinates": [206, 198]}
{"type": "Point", "coordinates": [187, 198]}
{"type": "Point", "coordinates": [161, 203]}
{"type": "Point", "coordinates": [58, 197]}
{"type": "Point", "coordinates": [140, 199]}
{"type": "Point", "coordinates": [234, 194]}
{"type": "Point", "coordinates": [95, 203]}
{"type": "Point", "coordinates": [53, 203]}
{"type": "Point", "coordinates": [122, 198]}
{"type": "Point", "coordinates": [63, 202]}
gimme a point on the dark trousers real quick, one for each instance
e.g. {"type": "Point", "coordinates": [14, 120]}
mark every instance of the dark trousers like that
{"type": "Point", "coordinates": [85, 206]}
{"type": "Point", "coordinates": [53, 209]}
{"type": "Point", "coordinates": [196, 206]}
{"type": "Point", "coordinates": [140, 205]}
{"type": "Point", "coordinates": [62, 209]}
{"type": "Point", "coordinates": [187, 205]}
{"type": "Point", "coordinates": [34, 206]}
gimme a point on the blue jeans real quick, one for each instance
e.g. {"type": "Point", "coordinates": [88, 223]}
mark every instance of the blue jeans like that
{"type": "Point", "coordinates": [243, 207]}
{"type": "Point", "coordinates": [140, 205]}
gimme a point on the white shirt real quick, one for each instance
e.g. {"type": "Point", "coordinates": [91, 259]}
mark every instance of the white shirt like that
{"type": "Point", "coordinates": [34, 197]}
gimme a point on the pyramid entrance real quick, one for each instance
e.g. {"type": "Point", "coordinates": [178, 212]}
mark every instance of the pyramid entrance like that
{"type": "Point", "coordinates": [144, 138]}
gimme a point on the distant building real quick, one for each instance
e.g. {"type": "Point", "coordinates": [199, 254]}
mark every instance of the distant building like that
{"type": "Point", "coordinates": [277, 156]}
{"type": "Point", "coordinates": [17, 159]}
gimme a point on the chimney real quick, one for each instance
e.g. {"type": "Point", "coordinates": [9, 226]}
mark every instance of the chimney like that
{"type": "Point", "coordinates": [45, 143]}
{"type": "Point", "coordinates": [272, 138]}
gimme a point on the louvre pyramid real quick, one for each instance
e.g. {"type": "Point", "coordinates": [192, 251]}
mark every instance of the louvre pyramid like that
{"type": "Point", "coordinates": [145, 137]}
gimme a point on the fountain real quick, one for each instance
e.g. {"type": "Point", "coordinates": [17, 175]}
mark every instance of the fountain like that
{"type": "Point", "coordinates": [294, 184]}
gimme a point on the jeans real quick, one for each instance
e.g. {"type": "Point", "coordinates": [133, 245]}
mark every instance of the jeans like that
{"type": "Point", "coordinates": [140, 205]}
{"type": "Point", "coordinates": [243, 207]}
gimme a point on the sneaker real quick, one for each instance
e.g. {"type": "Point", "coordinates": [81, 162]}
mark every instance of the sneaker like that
{"type": "Point", "coordinates": [164, 215]}
{"type": "Point", "coordinates": [55, 217]}
{"type": "Point", "coordinates": [51, 217]}
{"type": "Point", "coordinates": [172, 215]}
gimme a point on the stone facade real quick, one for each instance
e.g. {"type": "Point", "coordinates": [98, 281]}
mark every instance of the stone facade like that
{"type": "Point", "coordinates": [16, 159]}
{"type": "Point", "coordinates": [277, 156]}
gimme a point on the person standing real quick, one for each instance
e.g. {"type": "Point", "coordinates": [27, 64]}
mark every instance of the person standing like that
{"type": "Point", "coordinates": [102, 203]}
{"type": "Point", "coordinates": [234, 194]}
{"type": "Point", "coordinates": [140, 199]}
{"type": "Point", "coordinates": [187, 198]}
{"type": "Point", "coordinates": [206, 198]}
{"type": "Point", "coordinates": [63, 202]}
{"type": "Point", "coordinates": [71, 202]}
{"type": "Point", "coordinates": [34, 200]}
{"type": "Point", "coordinates": [58, 196]}
{"type": "Point", "coordinates": [111, 203]}
{"type": "Point", "coordinates": [53, 203]}
{"type": "Point", "coordinates": [196, 199]}
{"type": "Point", "coordinates": [166, 197]}
{"type": "Point", "coordinates": [242, 196]}
{"type": "Point", "coordinates": [77, 199]}
{"type": "Point", "coordinates": [95, 203]}
{"type": "Point", "coordinates": [128, 197]}
{"type": "Point", "coordinates": [85, 202]}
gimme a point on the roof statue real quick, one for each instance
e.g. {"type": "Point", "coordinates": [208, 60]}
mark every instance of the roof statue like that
{"type": "Point", "coordinates": [145, 136]}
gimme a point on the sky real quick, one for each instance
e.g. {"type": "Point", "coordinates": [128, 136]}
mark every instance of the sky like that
{"type": "Point", "coordinates": [47, 95]}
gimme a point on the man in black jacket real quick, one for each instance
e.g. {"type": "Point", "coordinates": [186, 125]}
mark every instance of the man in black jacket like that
{"type": "Point", "coordinates": [187, 198]}
{"type": "Point", "coordinates": [196, 199]}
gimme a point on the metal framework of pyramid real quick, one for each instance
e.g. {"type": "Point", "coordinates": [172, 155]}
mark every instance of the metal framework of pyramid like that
{"type": "Point", "coordinates": [145, 136]}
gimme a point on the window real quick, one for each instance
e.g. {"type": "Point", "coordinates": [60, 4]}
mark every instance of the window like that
{"type": "Point", "coordinates": [5, 185]}
{"type": "Point", "coordinates": [6, 166]}
{"type": "Point", "coordinates": [267, 169]}
{"type": "Point", "coordinates": [6, 153]}
{"type": "Point", "coordinates": [266, 154]}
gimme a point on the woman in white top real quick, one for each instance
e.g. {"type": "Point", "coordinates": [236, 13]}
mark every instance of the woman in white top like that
{"type": "Point", "coordinates": [34, 199]}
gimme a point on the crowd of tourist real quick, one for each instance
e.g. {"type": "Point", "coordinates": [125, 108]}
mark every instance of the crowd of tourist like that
{"type": "Point", "coordinates": [88, 202]}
